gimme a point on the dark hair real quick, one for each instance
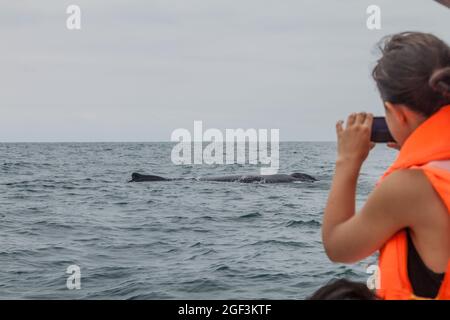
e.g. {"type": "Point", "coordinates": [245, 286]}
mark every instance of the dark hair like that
{"type": "Point", "coordinates": [414, 70]}
{"type": "Point", "coordinates": [343, 289]}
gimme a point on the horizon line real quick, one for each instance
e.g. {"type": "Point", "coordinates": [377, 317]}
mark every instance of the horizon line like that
{"type": "Point", "coordinates": [145, 141]}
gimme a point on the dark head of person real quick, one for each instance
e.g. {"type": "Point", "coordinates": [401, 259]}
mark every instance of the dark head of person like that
{"type": "Point", "coordinates": [343, 289]}
{"type": "Point", "coordinates": [414, 70]}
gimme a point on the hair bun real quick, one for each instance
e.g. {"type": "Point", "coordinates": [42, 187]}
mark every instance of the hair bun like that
{"type": "Point", "coordinates": [440, 81]}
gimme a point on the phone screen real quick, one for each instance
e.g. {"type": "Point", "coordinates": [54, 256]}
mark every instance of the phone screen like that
{"type": "Point", "coordinates": [380, 131]}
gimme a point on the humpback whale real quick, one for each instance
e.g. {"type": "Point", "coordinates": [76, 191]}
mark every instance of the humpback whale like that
{"type": "Point", "coordinates": [272, 178]}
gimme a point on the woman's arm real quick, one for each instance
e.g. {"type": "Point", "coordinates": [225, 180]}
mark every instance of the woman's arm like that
{"type": "Point", "coordinates": [353, 145]}
{"type": "Point", "coordinates": [395, 204]}
{"type": "Point", "coordinates": [348, 237]}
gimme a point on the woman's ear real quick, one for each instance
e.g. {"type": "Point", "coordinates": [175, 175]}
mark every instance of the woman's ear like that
{"type": "Point", "coordinates": [397, 111]}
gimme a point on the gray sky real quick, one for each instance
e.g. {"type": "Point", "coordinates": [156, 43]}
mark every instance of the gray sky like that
{"type": "Point", "coordinates": [140, 69]}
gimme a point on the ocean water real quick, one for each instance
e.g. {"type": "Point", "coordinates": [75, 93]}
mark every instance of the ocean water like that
{"type": "Point", "coordinates": [70, 204]}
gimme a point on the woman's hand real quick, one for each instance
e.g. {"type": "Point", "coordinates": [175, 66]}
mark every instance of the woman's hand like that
{"type": "Point", "coordinates": [354, 141]}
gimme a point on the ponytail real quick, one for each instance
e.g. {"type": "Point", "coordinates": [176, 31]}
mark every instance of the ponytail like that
{"type": "Point", "coordinates": [440, 82]}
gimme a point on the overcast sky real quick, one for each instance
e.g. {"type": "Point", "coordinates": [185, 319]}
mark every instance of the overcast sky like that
{"type": "Point", "coordinates": [140, 69]}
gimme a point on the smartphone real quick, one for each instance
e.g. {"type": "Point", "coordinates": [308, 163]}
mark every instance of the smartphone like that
{"type": "Point", "coordinates": [380, 131]}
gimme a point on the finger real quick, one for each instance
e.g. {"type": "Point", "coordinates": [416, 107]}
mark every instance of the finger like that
{"type": "Point", "coordinates": [339, 127]}
{"type": "Point", "coordinates": [368, 121]}
{"type": "Point", "coordinates": [360, 117]}
{"type": "Point", "coordinates": [372, 145]}
{"type": "Point", "coordinates": [393, 145]}
{"type": "Point", "coordinates": [351, 119]}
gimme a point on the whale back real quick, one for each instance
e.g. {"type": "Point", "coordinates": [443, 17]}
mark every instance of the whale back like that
{"type": "Point", "coordinates": [137, 177]}
{"type": "Point", "coordinates": [231, 178]}
{"type": "Point", "coordinates": [302, 177]}
{"type": "Point", "coordinates": [273, 178]}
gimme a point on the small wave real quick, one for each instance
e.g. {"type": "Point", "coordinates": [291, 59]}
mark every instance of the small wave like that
{"type": "Point", "coordinates": [197, 244]}
{"type": "Point", "coordinates": [151, 296]}
{"type": "Point", "coordinates": [68, 187]}
{"type": "Point", "coordinates": [222, 267]}
{"type": "Point", "coordinates": [280, 243]}
{"type": "Point", "coordinates": [206, 191]}
{"type": "Point", "coordinates": [269, 276]}
{"type": "Point", "coordinates": [301, 223]}
{"type": "Point", "coordinates": [195, 256]}
{"type": "Point", "coordinates": [17, 183]}
{"type": "Point", "coordinates": [346, 272]}
{"type": "Point", "coordinates": [128, 287]}
{"type": "Point", "coordinates": [201, 230]}
{"type": "Point", "coordinates": [55, 225]}
{"type": "Point", "coordinates": [208, 252]}
{"type": "Point", "coordinates": [203, 285]}
{"type": "Point", "coordinates": [107, 273]}
{"type": "Point", "coordinates": [48, 186]}
{"type": "Point", "coordinates": [251, 215]}
{"type": "Point", "coordinates": [18, 164]}
{"type": "Point", "coordinates": [123, 203]}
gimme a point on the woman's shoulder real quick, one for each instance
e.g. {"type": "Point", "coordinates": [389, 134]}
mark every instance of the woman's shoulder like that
{"type": "Point", "coordinates": [406, 182]}
{"type": "Point", "coordinates": [409, 192]}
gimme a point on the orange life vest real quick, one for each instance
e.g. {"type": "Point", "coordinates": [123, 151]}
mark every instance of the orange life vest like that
{"type": "Point", "coordinates": [428, 149]}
